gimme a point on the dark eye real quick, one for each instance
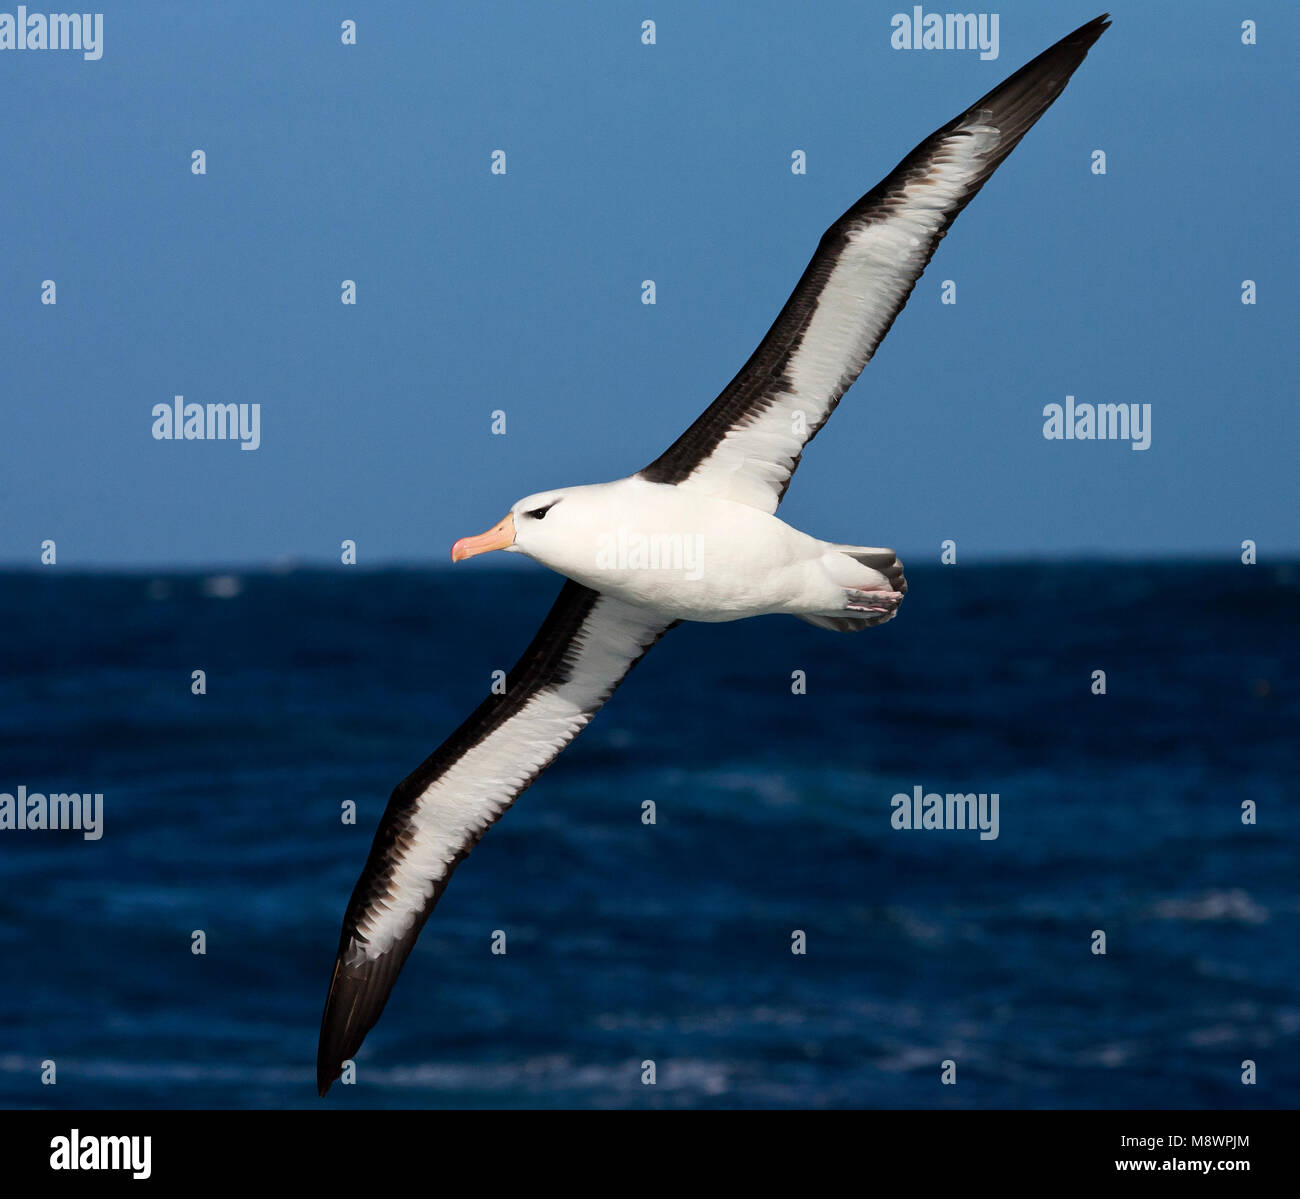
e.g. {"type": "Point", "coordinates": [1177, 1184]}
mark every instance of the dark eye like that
{"type": "Point", "coordinates": [539, 513]}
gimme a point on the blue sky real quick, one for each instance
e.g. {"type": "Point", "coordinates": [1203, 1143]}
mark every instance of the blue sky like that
{"type": "Point", "coordinates": [522, 292]}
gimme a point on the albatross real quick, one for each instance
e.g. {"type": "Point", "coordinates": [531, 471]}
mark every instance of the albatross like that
{"type": "Point", "coordinates": [693, 536]}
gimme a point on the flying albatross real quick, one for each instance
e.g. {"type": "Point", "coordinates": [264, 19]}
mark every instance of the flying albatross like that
{"type": "Point", "coordinates": [693, 536]}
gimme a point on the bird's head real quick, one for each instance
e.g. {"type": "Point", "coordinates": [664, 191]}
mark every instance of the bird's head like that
{"type": "Point", "coordinates": [533, 526]}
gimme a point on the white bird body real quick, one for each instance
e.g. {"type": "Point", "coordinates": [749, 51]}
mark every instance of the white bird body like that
{"type": "Point", "coordinates": [691, 556]}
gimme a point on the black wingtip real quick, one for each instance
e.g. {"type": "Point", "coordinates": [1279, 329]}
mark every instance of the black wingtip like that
{"type": "Point", "coordinates": [1072, 49]}
{"type": "Point", "coordinates": [1020, 99]}
{"type": "Point", "coordinates": [329, 1065]}
{"type": "Point", "coordinates": [1082, 39]}
{"type": "Point", "coordinates": [1093, 29]}
{"type": "Point", "coordinates": [357, 996]}
{"type": "Point", "coordinates": [338, 1036]}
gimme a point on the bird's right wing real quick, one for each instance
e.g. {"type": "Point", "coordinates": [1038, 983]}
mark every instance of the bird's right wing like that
{"type": "Point", "coordinates": [747, 443]}
{"type": "Point", "coordinates": [584, 649]}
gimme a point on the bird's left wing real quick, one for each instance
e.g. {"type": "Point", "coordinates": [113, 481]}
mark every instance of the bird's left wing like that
{"type": "Point", "coordinates": [584, 649]}
{"type": "Point", "coordinates": [747, 443]}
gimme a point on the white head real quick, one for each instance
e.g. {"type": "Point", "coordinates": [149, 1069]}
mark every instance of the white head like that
{"type": "Point", "coordinates": [543, 526]}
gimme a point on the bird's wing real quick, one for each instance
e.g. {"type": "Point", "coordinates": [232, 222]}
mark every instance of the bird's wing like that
{"type": "Point", "coordinates": [747, 443]}
{"type": "Point", "coordinates": [436, 815]}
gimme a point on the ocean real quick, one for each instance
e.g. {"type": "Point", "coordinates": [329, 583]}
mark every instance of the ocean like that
{"type": "Point", "coordinates": [770, 751]}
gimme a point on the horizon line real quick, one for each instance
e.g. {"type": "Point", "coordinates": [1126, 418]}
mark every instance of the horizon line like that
{"type": "Point", "coordinates": [422, 566]}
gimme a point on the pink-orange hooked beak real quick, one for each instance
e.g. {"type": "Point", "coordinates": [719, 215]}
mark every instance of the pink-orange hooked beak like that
{"type": "Point", "coordinates": [499, 537]}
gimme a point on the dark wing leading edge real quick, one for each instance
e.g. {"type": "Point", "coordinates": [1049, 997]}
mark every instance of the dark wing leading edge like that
{"type": "Point", "coordinates": [747, 443]}
{"type": "Point", "coordinates": [585, 647]}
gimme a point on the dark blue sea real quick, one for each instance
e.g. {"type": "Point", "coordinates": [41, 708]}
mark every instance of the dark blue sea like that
{"type": "Point", "coordinates": [1119, 813]}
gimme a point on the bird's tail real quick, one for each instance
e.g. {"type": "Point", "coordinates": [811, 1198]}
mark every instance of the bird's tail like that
{"type": "Point", "coordinates": [871, 596]}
